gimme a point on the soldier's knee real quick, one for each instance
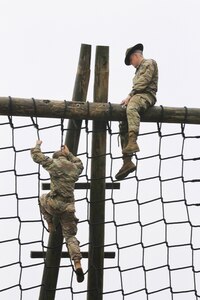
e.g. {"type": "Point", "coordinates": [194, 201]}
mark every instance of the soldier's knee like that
{"type": "Point", "coordinates": [135, 102]}
{"type": "Point", "coordinates": [133, 109]}
{"type": "Point", "coordinates": [72, 240]}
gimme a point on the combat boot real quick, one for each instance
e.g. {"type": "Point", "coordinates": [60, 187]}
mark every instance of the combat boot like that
{"type": "Point", "coordinates": [132, 146]}
{"type": "Point", "coordinates": [79, 271]}
{"type": "Point", "coordinates": [127, 168]}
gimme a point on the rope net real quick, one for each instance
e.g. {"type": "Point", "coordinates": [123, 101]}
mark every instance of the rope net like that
{"type": "Point", "coordinates": [152, 222]}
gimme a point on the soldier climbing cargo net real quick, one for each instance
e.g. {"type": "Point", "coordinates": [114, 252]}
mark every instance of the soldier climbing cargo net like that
{"type": "Point", "coordinates": [140, 237]}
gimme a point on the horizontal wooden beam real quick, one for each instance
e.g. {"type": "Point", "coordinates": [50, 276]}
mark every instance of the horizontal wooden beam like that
{"type": "Point", "coordinates": [93, 111]}
{"type": "Point", "coordinates": [41, 254]}
{"type": "Point", "coordinates": [86, 185]}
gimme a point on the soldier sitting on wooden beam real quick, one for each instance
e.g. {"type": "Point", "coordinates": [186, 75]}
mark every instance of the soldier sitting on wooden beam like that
{"type": "Point", "coordinates": [141, 97]}
{"type": "Point", "coordinates": [64, 169]}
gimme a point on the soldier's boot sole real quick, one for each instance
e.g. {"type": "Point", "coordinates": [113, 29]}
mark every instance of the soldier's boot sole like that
{"type": "Point", "coordinates": [79, 271]}
{"type": "Point", "coordinates": [79, 275]}
{"type": "Point", "coordinates": [125, 171]}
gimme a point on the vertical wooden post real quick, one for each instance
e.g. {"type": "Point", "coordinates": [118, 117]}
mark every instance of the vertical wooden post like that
{"type": "Point", "coordinates": [97, 192]}
{"type": "Point", "coordinates": [79, 94]}
{"type": "Point", "coordinates": [54, 251]}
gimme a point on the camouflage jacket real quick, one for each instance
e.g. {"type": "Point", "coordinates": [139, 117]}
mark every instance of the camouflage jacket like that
{"type": "Point", "coordinates": [146, 78]}
{"type": "Point", "coordinates": [64, 172]}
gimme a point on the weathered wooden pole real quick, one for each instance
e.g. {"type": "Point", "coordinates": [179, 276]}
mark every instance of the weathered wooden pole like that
{"type": "Point", "coordinates": [97, 191]}
{"type": "Point", "coordinates": [80, 95]}
{"type": "Point", "coordinates": [54, 250]}
{"type": "Point", "coordinates": [93, 111]}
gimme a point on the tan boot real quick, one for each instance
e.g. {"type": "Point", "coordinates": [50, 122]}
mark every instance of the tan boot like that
{"type": "Point", "coordinates": [132, 146]}
{"type": "Point", "coordinates": [79, 271]}
{"type": "Point", "coordinates": [127, 168]}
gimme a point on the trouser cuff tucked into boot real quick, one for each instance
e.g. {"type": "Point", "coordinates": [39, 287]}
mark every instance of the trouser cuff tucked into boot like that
{"type": "Point", "coordinates": [132, 146]}
{"type": "Point", "coordinates": [127, 168]}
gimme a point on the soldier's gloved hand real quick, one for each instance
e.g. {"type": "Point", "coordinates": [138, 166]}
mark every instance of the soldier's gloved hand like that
{"type": "Point", "coordinates": [65, 149]}
{"type": "Point", "coordinates": [38, 142]}
{"type": "Point", "coordinates": [126, 101]}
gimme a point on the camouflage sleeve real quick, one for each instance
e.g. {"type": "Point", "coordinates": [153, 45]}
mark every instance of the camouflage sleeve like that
{"type": "Point", "coordinates": [39, 157]}
{"type": "Point", "coordinates": [76, 161]}
{"type": "Point", "coordinates": [144, 78]}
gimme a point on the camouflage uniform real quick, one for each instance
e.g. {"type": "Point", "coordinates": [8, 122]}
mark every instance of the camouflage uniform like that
{"type": "Point", "coordinates": [64, 172]}
{"type": "Point", "coordinates": [143, 95]}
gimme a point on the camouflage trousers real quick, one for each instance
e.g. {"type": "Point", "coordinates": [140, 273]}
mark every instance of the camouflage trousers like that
{"type": "Point", "coordinates": [68, 222]}
{"type": "Point", "coordinates": [137, 105]}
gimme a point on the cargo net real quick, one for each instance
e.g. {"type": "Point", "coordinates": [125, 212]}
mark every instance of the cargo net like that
{"type": "Point", "coordinates": [152, 223]}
